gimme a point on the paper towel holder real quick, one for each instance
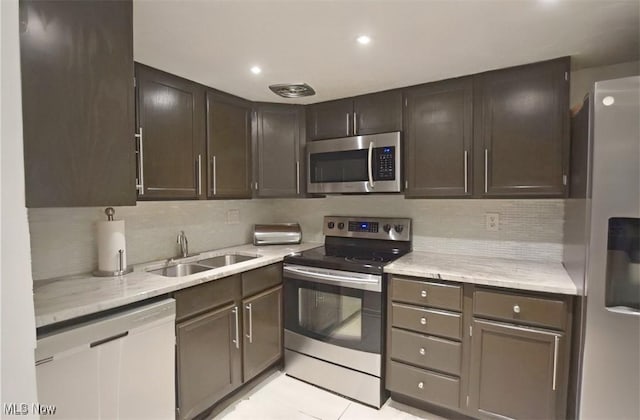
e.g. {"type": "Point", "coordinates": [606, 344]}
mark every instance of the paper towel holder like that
{"type": "Point", "coordinates": [109, 211]}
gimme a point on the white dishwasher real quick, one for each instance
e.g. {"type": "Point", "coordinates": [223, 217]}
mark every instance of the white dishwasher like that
{"type": "Point", "coordinates": [120, 366]}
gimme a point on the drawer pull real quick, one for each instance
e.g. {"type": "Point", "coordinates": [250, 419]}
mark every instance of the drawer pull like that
{"type": "Point", "coordinates": [420, 385]}
{"type": "Point", "coordinates": [423, 293]}
{"type": "Point", "coordinates": [516, 309]}
{"type": "Point", "coordinates": [422, 351]}
{"type": "Point", "coordinates": [423, 321]}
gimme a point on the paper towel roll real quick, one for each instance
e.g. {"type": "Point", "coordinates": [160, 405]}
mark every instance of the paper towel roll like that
{"type": "Point", "coordinates": [110, 242]}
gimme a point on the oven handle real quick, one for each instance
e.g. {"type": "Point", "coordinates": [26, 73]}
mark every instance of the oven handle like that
{"type": "Point", "coordinates": [370, 164]}
{"type": "Point", "coordinates": [370, 282]}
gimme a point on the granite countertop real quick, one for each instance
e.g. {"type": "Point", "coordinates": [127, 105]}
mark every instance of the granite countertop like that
{"type": "Point", "coordinates": [550, 277]}
{"type": "Point", "coordinates": [70, 297]}
{"type": "Point", "coordinates": [74, 296]}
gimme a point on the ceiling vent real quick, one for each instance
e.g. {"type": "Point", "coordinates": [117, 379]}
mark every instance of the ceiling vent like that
{"type": "Point", "coordinates": [295, 90]}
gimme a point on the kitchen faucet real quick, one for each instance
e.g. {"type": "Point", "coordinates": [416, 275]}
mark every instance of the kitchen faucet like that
{"type": "Point", "coordinates": [184, 244]}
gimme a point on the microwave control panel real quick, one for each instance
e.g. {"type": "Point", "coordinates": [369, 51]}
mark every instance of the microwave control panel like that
{"type": "Point", "coordinates": [384, 163]}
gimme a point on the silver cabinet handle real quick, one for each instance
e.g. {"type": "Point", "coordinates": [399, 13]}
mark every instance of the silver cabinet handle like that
{"type": "Point", "coordinates": [237, 340]}
{"type": "Point", "coordinates": [348, 123]}
{"type": "Point", "coordinates": [140, 185]}
{"type": "Point", "coordinates": [555, 360]}
{"type": "Point", "coordinates": [355, 123]}
{"type": "Point", "coordinates": [516, 309]}
{"type": "Point", "coordinates": [486, 170]}
{"type": "Point", "coordinates": [466, 169]}
{"type": "Point", "coordinates": [213, 174]}
{"type": "Point", "coordinates": [297, 177]}
{"type": "Point", "coordinates": [250, 335]}
{"type": "Point", "coordinates": [422, 351]}
{"type": "Point", "coordinates": [370, 164]}
{"type": "Point", "coordinates": [199, 174]}
{"type": "Point", "coordinates": [420, 385]}
{"type": "Point", "coordinates": [423, 294]}
{"type": "Point", "coordinates": [423, 321]}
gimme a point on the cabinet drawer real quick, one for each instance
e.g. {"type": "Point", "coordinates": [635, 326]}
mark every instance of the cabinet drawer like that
{"type": "Point", "coordinates": [520, 308]}
{"type": "Point", "coordinates": [423, 385]}
{"type": "Point", "coordinates": [427, 321]}
{"type": "Point", "coordinates": [429, 293]}
{"type": "Point", "coordinates": [198, 299]}
{"type": "Point", "coordinates": [260, 279]}
{"type": "Point", "coordinates": [425, 351]}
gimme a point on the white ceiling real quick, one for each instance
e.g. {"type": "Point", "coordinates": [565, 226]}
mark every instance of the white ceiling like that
{"type": "Point", "coordinates": [217, 42]}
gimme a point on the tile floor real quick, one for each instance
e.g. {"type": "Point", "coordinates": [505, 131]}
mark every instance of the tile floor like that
{"type": "Point", "coordinates": [281, 397]}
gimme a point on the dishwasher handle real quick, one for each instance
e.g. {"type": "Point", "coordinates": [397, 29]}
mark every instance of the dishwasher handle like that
{"type": "Point", "coordinates": [108, 339]}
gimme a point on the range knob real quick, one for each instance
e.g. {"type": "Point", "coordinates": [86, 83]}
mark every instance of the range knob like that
{"type": "Point", "coordinates": [340, 225]}
{"type": "Point", "coordinates": [399, 228]}
{"type": "Point", "coordinates": [386, 227]}
{"type": "Point", "coordinates": [330, 225]}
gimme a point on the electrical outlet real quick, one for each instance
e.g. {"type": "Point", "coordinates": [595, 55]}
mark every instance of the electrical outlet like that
{"type": "Point", "coordinates": [233, 217]}
{"type": "Point", "coordinates": [492, 222]}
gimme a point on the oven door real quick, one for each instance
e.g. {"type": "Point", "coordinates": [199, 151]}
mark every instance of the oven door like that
{"type": "Point", "coordinates": [334, 307]}
{"type": "Point", "coordinates": [355, 164]}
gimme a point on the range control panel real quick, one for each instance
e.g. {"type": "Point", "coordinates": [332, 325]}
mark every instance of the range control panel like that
{"type": "Point", "coordinates": [395, 229]}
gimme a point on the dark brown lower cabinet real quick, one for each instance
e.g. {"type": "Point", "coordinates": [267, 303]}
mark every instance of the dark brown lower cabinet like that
{"type": "Point", "coordinates": [228, 331]}
{"type": "Point", "coordinates": [484, 352]}
{"type": "Point", "coordinates": [208, 360]}
{"type": "Point", "coordinates": [516, 371]}
{"type": "Point", "coordinates": [262, 331]}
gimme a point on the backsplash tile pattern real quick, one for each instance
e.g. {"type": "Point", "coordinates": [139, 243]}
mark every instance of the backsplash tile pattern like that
{"type": "Point", "coordinates": [529, 229]}
{"type": "Point", "coordinates": [63, 239]}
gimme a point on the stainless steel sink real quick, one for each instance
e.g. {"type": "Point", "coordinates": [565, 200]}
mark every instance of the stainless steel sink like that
{"type": "Point", "coordinates": [227, 259]}
{"type": "Point", "coordinates": [179, 270]}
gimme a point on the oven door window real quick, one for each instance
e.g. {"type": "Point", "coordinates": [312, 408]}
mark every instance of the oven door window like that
{"type": "Point", "coordinates": [346, 317]}
{"type": "Point", "coordinates": [347, 166]}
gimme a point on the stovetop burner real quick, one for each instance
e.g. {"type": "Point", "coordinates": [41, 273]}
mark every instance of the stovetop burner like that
{"type": "Point", "coordinates": [362, 245]}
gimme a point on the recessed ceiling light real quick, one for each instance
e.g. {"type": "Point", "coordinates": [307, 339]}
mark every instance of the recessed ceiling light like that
{"type": "Point", "coordinates": [608, 100]}
{"type": "Point", "coordinates": [364, 39]}
{"type": "Point", "coordinates": [256, 70]}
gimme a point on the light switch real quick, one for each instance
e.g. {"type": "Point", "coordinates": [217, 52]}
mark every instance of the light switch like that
{"type": "Point", "coordinates": [233, 217]}
{"type": "Point", "coordinates": [492, 222]}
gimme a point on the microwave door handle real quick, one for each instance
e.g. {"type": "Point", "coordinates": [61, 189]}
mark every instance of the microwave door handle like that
{"type": "Point", "coordinates": [370, 165]}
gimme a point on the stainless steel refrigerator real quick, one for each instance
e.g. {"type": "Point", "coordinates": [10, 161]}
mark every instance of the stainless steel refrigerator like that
{"type": "Point", "coordinates": [602, 250]}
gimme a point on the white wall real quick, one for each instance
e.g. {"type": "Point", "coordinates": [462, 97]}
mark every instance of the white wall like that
{"type": "Point", "coordinates": [582, 80]}
{"type": "Point", "coordinates": [17, 322]}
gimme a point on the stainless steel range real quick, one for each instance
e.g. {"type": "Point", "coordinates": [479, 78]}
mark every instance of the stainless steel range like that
{"type": "Point", "coordinates": [335, 305]}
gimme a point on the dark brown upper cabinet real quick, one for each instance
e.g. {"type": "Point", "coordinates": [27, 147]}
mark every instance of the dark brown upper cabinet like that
{"type": "Point", "coordinates": [367, 114]}
{"type": "Point", "coordinates": [228, 146]}
{"type": "Point", "coordinates": [78, 103]}
{"type": "Point", "coordinates": [521, 123]}
{"type": "Point", "coordinates": [438, 132]}
{"type": "Point", "coordinates": [377, 113]}
{"type": "Point", "coordinates": [170, 136]}
{"type": "Point", "coordinates": [279, 165]}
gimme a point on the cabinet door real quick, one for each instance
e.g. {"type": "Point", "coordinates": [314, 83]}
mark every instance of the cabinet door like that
{"type": "Point", "coordinates": [328, 120]}
{"type": "Point", "coordinates": [228, 146]}
{"type": "Point", "coordinates": [377, 113]}
{"type": "Point", "coordinates": [77, 103]}
{"type": "Point", "coordinates": [262, 331]}
{"type": "Point", "coordinates": [171, 123]}
{"type": "Point", "coordinates": [208, 360]}
{"type": "Point", "coordinates": [279, 163]}
{"type": "Point", "coordinates": [438, 132]}
{"type": "Point", "coordinates": [515, 371]}
{"type": "Point", "coordinates": [522, 123]}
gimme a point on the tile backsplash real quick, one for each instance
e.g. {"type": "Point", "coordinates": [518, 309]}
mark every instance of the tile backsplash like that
{"type": "Point", "coordinates": [63, 240]}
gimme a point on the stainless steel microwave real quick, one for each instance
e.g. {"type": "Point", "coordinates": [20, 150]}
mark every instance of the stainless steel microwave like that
{"type": "Point", "coordinates": [359, 164]}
